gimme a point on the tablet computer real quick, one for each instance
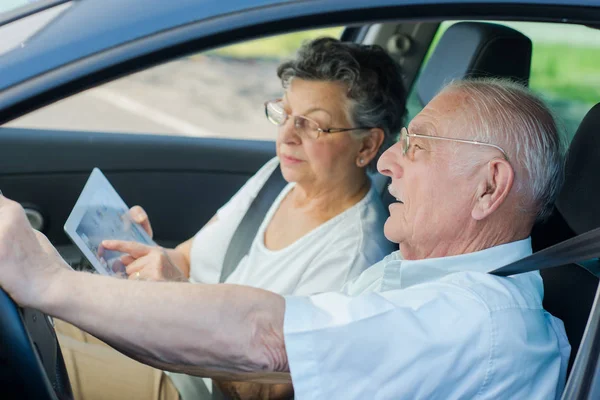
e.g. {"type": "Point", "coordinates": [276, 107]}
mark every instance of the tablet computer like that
{"type": "Point", "coordinates": [98, 215]}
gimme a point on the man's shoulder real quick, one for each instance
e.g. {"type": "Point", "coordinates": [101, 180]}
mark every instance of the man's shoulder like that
{"type": "Point", "coordinates": [524, 291]}
{"type": "Point", "coordinates": [370, 279]}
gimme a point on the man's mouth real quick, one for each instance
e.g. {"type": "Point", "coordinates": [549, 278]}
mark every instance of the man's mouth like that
{"type": "Point", "coordinates": [398, 199]}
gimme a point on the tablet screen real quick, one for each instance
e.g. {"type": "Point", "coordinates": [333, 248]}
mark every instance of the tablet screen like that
{"type": "Point", "coordinates": [98, 215]}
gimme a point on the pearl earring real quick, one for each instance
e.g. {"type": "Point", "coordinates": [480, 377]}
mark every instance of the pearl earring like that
{"type": "Point", "coordinates": [361, 161]}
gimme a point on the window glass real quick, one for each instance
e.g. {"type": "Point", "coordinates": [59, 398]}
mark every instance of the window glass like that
{"type": "Point", "coordinates": [219, 93]}
{"type": "Point", "coordinates": [565, 69]}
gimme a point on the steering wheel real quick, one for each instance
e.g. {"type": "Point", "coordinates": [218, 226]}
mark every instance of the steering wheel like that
{"type": "Point", "coordinates": [31, 363]}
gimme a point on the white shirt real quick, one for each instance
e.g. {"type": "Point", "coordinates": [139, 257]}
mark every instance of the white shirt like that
{"type": "Point", "coordinates": [429, 329]}
{"type": "Point", "coordinates": [322, 260]}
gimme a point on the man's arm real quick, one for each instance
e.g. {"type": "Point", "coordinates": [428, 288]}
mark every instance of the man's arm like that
{"type": "Point", "coordinates": [208, 330]}
{"type": "Point", "coordinates": [221, 331]}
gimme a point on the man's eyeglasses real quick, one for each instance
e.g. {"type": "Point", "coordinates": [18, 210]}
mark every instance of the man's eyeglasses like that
{"type": "Point", "coordinates": [304, 126]}
{"type": "Point", "coordinates": [405, 140]}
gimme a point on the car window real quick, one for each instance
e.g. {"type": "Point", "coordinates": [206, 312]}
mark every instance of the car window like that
{"type": "Point", "coordinates": [564, 69]}
{"type": "Point", "coordinates": [220, 93]}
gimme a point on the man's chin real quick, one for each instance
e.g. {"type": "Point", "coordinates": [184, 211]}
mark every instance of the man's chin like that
{"type": "Point", "coordinates": [390, 231]}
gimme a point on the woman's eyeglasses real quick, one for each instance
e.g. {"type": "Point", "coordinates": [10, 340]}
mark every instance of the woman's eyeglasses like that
{"type": "Point", "coordinates": [304, 126]}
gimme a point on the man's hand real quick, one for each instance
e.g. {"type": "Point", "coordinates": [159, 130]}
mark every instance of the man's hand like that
{"type": "Point", "coordinates": [144, 262]}
{"type": "Point", "coordinates": [28, 262]}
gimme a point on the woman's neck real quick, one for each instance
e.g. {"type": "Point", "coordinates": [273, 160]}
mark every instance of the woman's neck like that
{"type": "Point", "coordinates": [332, 199]}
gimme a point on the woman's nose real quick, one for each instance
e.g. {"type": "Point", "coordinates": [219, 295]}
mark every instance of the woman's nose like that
{"type": "Point", "coordinates": [389, 163]}
{"type": "Point", "coordinates": [288, 132]}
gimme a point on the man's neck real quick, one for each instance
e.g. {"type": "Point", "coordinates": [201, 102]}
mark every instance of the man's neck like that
{"type": "Point", "coordinates": [475, 238]}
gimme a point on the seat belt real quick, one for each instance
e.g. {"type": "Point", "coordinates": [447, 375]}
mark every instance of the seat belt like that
{"type": "Point", "coordinates": [246, 230]}
{"type": "Point", "coordinates": [582, 250]}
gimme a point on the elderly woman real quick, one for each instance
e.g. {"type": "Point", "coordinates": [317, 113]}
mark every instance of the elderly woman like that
{"type": "Point", "coordinates": [342, 106]}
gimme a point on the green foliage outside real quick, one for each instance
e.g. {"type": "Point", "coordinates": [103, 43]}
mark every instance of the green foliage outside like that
{"type": "Point", "coordinates": [568, 78]}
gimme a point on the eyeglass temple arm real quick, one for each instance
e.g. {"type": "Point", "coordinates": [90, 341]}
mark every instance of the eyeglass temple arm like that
{"type": "Point", "coordinates": [335, 130]}
{"type": "Point", "coordinates": [460, 141]}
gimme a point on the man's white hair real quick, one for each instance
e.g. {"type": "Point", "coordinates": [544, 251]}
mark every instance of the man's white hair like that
{"type": "Point", "coordinates": [507, 114]}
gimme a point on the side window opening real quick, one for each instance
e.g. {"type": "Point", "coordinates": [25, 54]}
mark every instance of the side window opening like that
{"type": "Point", "coordinates": [219, 93]}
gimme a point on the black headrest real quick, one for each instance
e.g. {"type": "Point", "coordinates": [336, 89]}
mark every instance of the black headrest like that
{"type": "Point", "coordinates": [578, 200]}
{"type": "Point", "coordinates": [475, 49]}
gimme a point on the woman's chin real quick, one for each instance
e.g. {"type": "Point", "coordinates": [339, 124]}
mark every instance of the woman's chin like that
{"type": "Point", "coordinates": [290, 174]}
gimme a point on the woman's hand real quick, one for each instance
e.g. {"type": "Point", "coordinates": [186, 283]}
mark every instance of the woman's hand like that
{"type": "Point", "coordinates": [255, 391]}
{"type": "Point", "coordinates": [139, 216]}
{"type": "Point", "coordinates": [151, 263]}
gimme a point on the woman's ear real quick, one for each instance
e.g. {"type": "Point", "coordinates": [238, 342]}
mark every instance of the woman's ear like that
{"type": "Point", "coordinates": [369, 146]}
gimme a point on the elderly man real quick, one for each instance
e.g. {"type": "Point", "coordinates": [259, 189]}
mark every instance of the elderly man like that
{"type": "Point", "coordinates": [471, 175]}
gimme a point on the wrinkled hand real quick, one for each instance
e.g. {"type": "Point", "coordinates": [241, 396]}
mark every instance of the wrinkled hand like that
{"type": "Point", "coordinates": [138, 215]}
{"type": "Point", "coordinates": [151, 263]}
{"type": "Point", "coordinates": [28, 262]}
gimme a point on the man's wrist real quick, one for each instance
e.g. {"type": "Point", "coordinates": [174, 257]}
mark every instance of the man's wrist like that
{"type": "Point", "coordinates": [53, 289]}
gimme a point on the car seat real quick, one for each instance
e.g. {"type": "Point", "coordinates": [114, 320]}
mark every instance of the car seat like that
{"type": "Point", "coordinates": [569, 290]}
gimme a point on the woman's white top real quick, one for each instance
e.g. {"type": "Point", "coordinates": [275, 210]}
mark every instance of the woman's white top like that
{"type": "Point", "coordinates": [321, 260]}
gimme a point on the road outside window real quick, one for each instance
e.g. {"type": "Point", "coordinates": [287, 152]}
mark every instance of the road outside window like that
{"type": "Point", "coordinates": [215, 94]}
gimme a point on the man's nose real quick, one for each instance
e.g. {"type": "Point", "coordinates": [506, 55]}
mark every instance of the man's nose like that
{"type": "Point", "coordinates": [389, 163]}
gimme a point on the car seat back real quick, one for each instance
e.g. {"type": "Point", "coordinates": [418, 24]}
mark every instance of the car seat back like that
{"type": "Point", "coordinates": [569, 290]}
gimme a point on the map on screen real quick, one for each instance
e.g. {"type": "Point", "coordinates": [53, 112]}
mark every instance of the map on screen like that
{"type": "Point", "coordinates": [100, 214]}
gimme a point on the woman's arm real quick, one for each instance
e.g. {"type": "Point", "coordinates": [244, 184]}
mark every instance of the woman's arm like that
{"type": "Point", "coordinates": [181, 255]}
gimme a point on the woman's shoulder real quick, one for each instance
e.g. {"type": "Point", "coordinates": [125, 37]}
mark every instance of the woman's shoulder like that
{"type": "Point", "coordinates": [261, 176]}
{"type": "Point", "coordinates": [258, 180]}
{"type": "Point", "coordinates": [365, 227]}
{"type": "Point", "coordinates": [369, 213]}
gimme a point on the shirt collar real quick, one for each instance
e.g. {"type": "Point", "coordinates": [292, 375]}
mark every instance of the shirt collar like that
{"type": "Point", "coordinates": [400, 274]}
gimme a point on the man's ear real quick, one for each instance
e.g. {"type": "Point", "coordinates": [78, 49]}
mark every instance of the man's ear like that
{"type": "Point", "coordinates": [370, 144]}
{"type": "Point", "coordinates": [495, 186]}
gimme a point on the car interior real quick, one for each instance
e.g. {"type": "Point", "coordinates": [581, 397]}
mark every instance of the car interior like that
{"type": "Point", "coordinates": [201, 174]}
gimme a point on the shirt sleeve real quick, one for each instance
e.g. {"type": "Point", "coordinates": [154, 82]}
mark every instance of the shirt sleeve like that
{"type": "Point", "coordinates": [397, 344]}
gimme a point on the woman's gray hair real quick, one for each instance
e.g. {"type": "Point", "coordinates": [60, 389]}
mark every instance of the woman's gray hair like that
{"type": "Point", "coordinates": [376, 93]}
{"type": "Point", "coordinates": [511, 116]}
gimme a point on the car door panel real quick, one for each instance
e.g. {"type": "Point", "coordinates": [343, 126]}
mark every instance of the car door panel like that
{"type": "Point", "coordinates": [180, 181]}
